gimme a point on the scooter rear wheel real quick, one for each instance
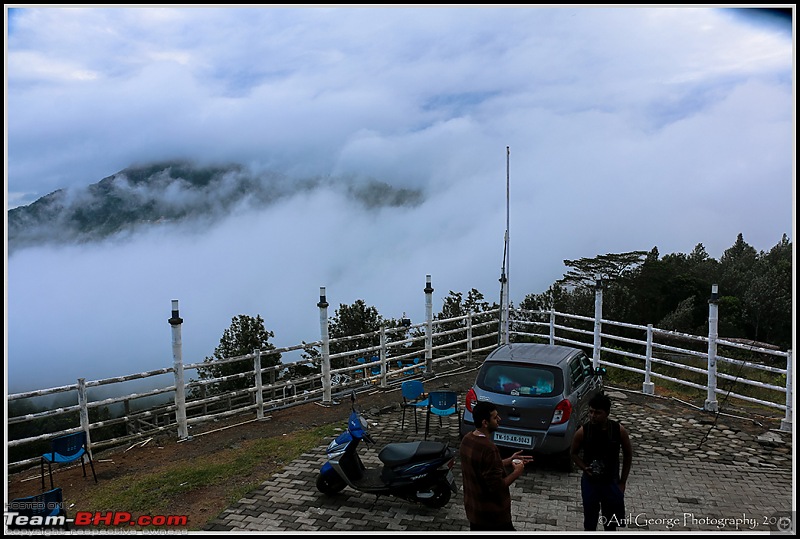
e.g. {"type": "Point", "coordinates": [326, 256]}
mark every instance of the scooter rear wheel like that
{"type": "Point", "coordinates": [441, 495]}
{"type": "Point", "coordinates": [330, 485]}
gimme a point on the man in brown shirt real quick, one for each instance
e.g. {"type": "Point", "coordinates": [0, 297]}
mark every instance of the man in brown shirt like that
{"type": "Point", "coordinates": [487, 499]}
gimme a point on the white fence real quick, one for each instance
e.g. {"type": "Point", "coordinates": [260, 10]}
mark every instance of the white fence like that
{"type": "Point", "coordinates": [397, 354]}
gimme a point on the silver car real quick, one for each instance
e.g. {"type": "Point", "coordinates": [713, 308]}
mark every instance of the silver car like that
{"type": "Point", "coordinates": [542, 395]}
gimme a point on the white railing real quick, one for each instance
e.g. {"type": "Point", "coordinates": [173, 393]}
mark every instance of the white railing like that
{"type": "Point", "coordinates": [657, 355]}
{"type": "Point", "coordinates": [397, 353]}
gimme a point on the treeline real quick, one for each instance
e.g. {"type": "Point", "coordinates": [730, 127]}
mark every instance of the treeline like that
{"type": "Point", "coordinates": [672, 292]}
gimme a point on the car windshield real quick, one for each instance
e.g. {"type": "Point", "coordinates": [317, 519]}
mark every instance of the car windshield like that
{"type": "Point", "coordinates": [515, 379]}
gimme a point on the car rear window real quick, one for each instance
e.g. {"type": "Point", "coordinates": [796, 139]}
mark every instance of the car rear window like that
{"type": "Point", "coordinates": [516, 379]}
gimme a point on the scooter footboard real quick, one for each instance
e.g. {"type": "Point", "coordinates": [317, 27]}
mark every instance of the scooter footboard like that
{"type": "Point", "coordinates": [353, 468]}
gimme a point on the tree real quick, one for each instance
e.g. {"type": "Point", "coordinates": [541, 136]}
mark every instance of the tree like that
{"type": "Point", "coordinates": [609, 267]}
{"type": "Point", "coordinates": [736, 267]}
{"type": "Point", "coordinates": [616, 270]}
{"type": "Point", "coordinates": [455, 306]}
{"type": "Point", "coordinates": [767, 297]}
{"type": "Point", "coordinates": [244, 336]}
{"type": "Point", "coordinates": [680, 319]}
{"type": "Point", "coordinates": [352, 320]}
{"type": "Point", "coordinates": [578, 300]}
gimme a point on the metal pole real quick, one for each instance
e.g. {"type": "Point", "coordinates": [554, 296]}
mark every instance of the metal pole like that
{"type": "Point", "coordinates": [503, 309]}
{"type": "Point", "coordinates": [177, 369]}
{"type": "Point", "coordinates": [502, 335]}
{"type": "Point", "coordinates": [711, 404]}
{"type": "Point", "coordinates": [508, 245]}
{"type": "Point", "coordinates": [598, 319]}
{"type": "Point", "coordinates": [326, 353]}
{"type": "Point", "coordinates": [428, 327]}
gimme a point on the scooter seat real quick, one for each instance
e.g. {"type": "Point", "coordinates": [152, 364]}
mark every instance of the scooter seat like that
{"type": "Point", "coordinates": [404, 452]}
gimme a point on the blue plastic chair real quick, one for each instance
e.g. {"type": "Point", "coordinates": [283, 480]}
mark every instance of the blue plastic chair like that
{"type": "Point", "coordinates": [413, 397]}
{"type": "Point", "coordinates": [375, 369]}
{"type": "Point", "coordinates": [401, 366]}
{"type": "Point", "coordinates": [66, 449]}
{"type": "Point", "coordinates": [442, 404]}
{"type": "Point", "coordinates": [360, 361]}
{"type": "Point", "coordinates": [46, 504]}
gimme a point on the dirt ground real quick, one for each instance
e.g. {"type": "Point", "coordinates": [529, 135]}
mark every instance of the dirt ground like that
{"type": "Point", "coordinates": [202, 505]}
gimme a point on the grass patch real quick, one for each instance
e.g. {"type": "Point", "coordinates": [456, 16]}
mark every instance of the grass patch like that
{"type": "Point", "coordinates": [232, 468]}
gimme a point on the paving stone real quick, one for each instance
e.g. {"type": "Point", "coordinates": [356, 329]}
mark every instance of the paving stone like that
{"type": "Point", "coordinates": [688, 475]}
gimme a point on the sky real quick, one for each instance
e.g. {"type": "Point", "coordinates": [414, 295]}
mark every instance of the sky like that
{"type": "Point", "coordinates": [610, 129]}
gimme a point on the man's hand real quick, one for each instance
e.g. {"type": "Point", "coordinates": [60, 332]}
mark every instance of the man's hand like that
{"type": "Point", "coordinates": [524, 459]}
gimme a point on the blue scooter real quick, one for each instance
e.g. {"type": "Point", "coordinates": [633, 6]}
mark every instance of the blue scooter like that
{"type": "Point", "coordinates": [415, 471]}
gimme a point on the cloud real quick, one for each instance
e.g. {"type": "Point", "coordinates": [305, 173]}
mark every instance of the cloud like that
{"type": "Point", "coordinates": [628, 129]}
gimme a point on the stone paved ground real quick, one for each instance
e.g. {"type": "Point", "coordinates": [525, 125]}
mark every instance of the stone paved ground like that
{"type": "Point", "coordinates": [690, 473]}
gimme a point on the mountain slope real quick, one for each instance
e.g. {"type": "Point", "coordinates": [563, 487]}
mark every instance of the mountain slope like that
{"type": "Point", "coordinates": [171, 192]}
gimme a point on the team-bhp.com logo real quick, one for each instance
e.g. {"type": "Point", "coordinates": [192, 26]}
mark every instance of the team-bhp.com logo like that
{"type": "Point", "coordinates": [84, 519]}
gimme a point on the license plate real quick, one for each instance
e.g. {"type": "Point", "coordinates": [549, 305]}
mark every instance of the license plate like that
{"type": "Point", "coordinates": [513, 438]}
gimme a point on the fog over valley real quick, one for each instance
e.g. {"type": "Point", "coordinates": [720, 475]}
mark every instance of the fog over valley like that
{"type": "Point", "coordinates": [360, 150]}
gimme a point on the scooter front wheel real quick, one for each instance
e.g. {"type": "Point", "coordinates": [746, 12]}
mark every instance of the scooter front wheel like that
{"type": "Point", "coordinates": [330, 485]}
{"type": "Point", "coordinates": [441, 495]}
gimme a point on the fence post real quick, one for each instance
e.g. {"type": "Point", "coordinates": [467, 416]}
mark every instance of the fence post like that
{"type": "Point", "coordinates": [428, 327]}
{"type": "Point", "coordinates": [648, 387]}
{"type": "Point", "coordinates": [711, 404]}
{"type": "Point", "coordinates": [128, 428]}
{"type": "Point", "coordinates": [326, 353]}
{"type": "Point", "coordinates": [259, 386]}
{"type": "Point", "coordinates": [552, 325]}
{"type": "Point", "coordinates": [83, 403]}
{"type": "Point", "coordinates": [786, 423]}
{"type": "Point", "coordinates": [384, 366]}
{"type": "Point", "coordinates": [469, 336]}
{"type": "Point", "coordinates": [598, 319]}
{"type": "Point", "coordinates": [177, 364]}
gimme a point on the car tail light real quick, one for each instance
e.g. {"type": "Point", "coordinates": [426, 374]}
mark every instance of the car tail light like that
{"type": "Point", "coordinates": [471, 399]}
{"type": "Point", "coordinates": [562, 412]}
